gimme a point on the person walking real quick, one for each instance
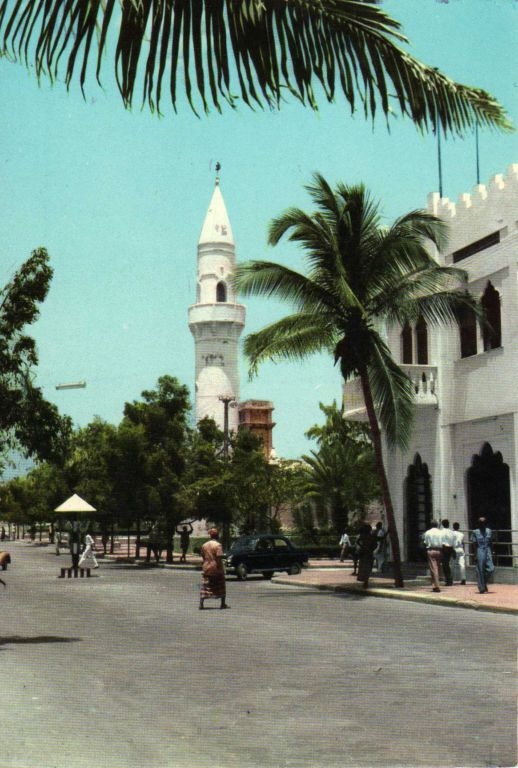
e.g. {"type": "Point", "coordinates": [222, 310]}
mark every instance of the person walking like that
{"type": "Point", "coordinates": [365, 544]}
{"type": "Point", "coordinates": [448, 551]}
{"type": "Point", "coordinates": [482, 538]}
{"type": "Point", "coordinates": [88, 558]}
{"type": "Point", "coordinates": [345, 543]}
{"type": "Point", "coordinates": [380, 553]}
{"type": "Point", "coordinates": [74, 543]}
{"type": "Point", "coordinates": [185, 535]}
{"type": "Point", "coordinates": [154, 544]}
{"type": "Point", "coordinates": [459, 562]}
{"type": "Point", "coordinates": [213, 571]}
{"type": "Point", "coordinates": [433, 542]}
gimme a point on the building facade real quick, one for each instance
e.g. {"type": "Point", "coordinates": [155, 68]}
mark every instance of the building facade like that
{"type": "Point", "coordinates": [216, 320]}
{"type": "Point", "coordinates": [463, 457]}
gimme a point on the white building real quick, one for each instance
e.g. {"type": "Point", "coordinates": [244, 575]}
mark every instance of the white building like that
{"type": "Point", "coordinates": [216, 320]}
{"type": "Point", "coordinates": [463, 457]}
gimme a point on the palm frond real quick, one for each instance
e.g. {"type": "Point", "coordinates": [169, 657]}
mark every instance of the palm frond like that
{"type": "Point", "coordinates": [444, 308]}
{"type": "Point", "coordinates": [393, 396]}
{"type": "Point", "coordinates": [251, 50]}
{"type": "Point", "coordinates": [293, 338]}
{"type": "Point", "coordinates": [265, 278]}
{"type": "Point", "coordinates": [400, 299]}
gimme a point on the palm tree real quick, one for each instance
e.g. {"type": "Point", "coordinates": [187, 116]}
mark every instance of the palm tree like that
{"type": "Point", "coordinates": [340, 478]}
{"type": "Point", "coordinates": [257, 51]}
{"type": "Point", "coordinates": [361, 275]}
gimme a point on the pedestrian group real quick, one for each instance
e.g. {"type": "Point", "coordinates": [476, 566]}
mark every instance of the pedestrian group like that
{"type": "Point", "coordinates": [445, 549]}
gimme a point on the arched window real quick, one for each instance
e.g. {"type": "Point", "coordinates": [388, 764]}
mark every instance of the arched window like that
{"type": "Point", "coordinates": [421, 333]}
{"type": "Point", "coordinates": [492, 334]}
{"type": "Point", "coordinates": [221, 291]}
{"type": "Point", "coordinates": [468, 332]}
{"type": "Point", "coordinates": [406, 344]}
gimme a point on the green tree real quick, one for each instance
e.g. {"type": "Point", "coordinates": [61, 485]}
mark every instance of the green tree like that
{"type": "Point", "coordinates": [256, 51]}
{"type": "Point", "coordinates": [27, 420]}
{"type": "Point", "coordinates": [248, 480]}
{"type": "Point", "coordinates": [162, 414]}
{"type": "Point", "coordinates": [285, 489]}
{"type": "Point", "coordinates": [361, 275]}
{"type": "Point", "coordinates": [207, 478]}
{"type": "Point", "coordinates": [89, 469]}
{"type": "Point", "coordinates": [341, 475]}
{"type": "Point", "coordinates": [47, 488]}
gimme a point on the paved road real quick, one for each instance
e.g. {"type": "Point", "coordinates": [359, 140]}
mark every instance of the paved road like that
{"type": "Point", "coordinates": [122, 670]}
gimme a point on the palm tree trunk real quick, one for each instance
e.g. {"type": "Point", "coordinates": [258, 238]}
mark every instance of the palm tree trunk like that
{"type": "Point", "coordinates": [382, 476]}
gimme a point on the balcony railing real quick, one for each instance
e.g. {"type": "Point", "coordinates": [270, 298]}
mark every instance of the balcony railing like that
{"type": "Point", "coordinates": [423, 378]}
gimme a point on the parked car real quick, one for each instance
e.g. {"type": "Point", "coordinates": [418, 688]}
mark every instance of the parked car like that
{"type": "Point", "coordinates": [5, 559]}
{"type": "Point", "coordinates": [264, 553]}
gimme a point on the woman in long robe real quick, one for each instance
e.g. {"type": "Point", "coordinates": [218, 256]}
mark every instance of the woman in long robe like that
{"type": "Point", "coordinates": [213, 571]}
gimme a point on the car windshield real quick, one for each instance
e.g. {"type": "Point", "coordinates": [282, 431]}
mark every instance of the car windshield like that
{"type": "Point", "coordinates": [244, 542]}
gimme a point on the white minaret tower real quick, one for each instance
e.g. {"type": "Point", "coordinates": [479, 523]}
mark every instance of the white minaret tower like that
{"type": "Point", "coordinates": [216, 320]}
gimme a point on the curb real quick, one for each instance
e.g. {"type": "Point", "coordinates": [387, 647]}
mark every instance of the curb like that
{"type": "Point", "coordinates": [416, 597]}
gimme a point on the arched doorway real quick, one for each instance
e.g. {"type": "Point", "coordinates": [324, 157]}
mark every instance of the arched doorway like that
{"type": "Point", "coordinates": [418, 497]}
{"type": "Point", "coordinates": [489, 495]}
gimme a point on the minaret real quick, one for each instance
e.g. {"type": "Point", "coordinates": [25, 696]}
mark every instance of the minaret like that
{"type": "Point", "coordinates": [216, 320]}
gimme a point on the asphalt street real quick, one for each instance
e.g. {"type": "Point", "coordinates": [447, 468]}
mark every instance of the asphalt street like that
{"type": "Point", "coordinates": [123, 670]}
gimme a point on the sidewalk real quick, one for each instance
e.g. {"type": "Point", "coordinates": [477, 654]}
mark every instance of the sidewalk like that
{"type": "Point", "coordinates": [501, 598]}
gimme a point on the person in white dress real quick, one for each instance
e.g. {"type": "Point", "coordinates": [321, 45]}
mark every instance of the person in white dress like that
{"type": "Point", "coordinates": [88, 559]}
{"type": "Point", "coordinates": [459, 564]}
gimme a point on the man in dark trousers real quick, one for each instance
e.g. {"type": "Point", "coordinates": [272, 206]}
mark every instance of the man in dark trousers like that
{"type": "Point", "coordinates": [482, 538]}
{"type": "Point", "coordinates": [154, 544]}
{"type": "Point", "coordinates": [185, 535]}
{"type": "Point", "coordinates": [74, 543]}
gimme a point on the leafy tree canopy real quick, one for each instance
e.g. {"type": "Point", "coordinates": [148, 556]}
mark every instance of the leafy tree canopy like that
{"type": "Point", "coordinates": [27, 420]}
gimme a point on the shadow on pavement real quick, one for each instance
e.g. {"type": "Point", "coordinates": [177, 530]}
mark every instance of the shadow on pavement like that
{"type": "Point", "coordinates": [304, 590]}
{"type": "Point", "coordinates": [18, 639]}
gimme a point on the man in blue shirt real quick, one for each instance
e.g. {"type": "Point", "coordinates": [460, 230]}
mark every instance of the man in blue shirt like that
{"type": "Point", "coordinates": [482, 538]}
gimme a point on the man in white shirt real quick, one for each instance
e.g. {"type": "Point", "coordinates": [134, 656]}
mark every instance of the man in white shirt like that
{"type": "Point", "coordinates": [448, 552]}
{"type": "Point", "coordinates": [345, 543]}
{"type": "Point", "coordinates": [459, 564]}
{"type": "Point", "coordinates": [433, 542]}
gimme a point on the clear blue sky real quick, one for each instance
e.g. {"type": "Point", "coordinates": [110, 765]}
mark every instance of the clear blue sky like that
{"type": "Point", "coordinates": [118, 199]}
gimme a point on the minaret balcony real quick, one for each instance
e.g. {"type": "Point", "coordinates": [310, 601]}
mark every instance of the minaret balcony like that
{"type": "Point", "coordinates": [423, 378]}
{"type": "Point", "coordinates": [217, 313]}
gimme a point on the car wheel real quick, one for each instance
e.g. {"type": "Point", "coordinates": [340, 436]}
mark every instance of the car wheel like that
{"type": "Point", "coordinates": [295, 568]}
{"type": "Point", "coordinates": [267, 574]}
{"type": "Point", "coordinates": [242, 571]}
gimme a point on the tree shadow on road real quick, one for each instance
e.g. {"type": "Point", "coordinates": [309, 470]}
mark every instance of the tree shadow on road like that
{"type": "Point", "coordinates": [19, 640]}
{"type": "Point", "coordinates": [353, 594]}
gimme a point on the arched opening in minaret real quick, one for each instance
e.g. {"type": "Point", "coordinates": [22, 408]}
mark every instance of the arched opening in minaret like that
{"type": "Point", "coordinates": [221, 291]}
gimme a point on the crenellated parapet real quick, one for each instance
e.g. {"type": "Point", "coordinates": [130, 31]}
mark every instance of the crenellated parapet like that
{"type": "Point", "coordinates": [486, 210]}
